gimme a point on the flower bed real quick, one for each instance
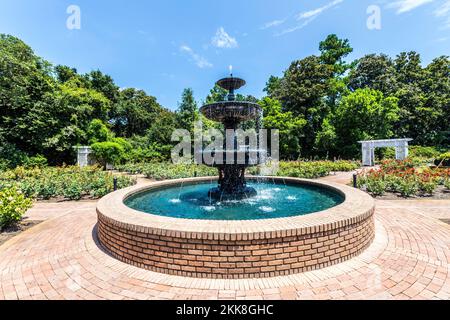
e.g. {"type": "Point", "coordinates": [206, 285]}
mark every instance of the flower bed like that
{"type": "Point", "coordinates": [404, 178]}
{"type": "Point", "coordinates": [70, 183]}
{"type": "Point", "coordinates": [314, 169]}
{"type": "Point", "coordinates": [297, 169]}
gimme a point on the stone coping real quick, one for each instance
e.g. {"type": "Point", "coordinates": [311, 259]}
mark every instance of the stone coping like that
{"type": "Point", "coordinates": [357, 207]}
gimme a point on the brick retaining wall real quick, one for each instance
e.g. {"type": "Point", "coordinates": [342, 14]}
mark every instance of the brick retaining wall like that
{"type": "Point", "coordinates": [236, 255]}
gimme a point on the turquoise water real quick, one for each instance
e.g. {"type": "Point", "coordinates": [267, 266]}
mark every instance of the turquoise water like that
{"type": "Point", "coordinates": [273, 201]}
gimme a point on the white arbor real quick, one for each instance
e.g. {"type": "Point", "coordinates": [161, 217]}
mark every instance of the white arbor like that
{"type": "Point", "coordinates": [84, 156]}
{"type": "Point", "coordinates": [368, 149]}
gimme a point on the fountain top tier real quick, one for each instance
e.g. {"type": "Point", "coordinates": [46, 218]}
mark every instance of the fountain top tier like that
{"type": "Point", "coordinates": [231, 83]}
{"type": "Point", "coordinates": [231, 112]}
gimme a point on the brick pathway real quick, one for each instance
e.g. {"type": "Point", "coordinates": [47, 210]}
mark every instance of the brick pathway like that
{"type": "Point", "coordinates": [60, 259]}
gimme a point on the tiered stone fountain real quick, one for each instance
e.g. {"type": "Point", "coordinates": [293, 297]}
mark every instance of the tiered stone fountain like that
{"type": "Point", "coordinates": [231, 113]}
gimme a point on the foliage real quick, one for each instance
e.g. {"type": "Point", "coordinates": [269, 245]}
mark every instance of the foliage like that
{"type": "Point", "coordinates": [322, 105]}
{"type": "Point", "coordinates": [311, 169]}
{"type": "Point", "coordinates": [135, 112]}
{"type": "Point", "coordinates": [447, 184]}
{"type": "Point", "coordinates": [98, 131]}
{"type": "Point", "coordinates": [187, 113]}
{"type": "Point", "coordinates": [362, 115]}
{"type": "Point", "coordinates": [13, 205]}
{"type": "Point", "coordinates": [65, 182]}
{"type": "Point", "coordinates": [289, 126]}
{"type": "Point", "coordinates": [376, 72]}
{"type": "Point", "coordinates": [301, 169]}
{"type": "Point", "coordinates": [423, 152]}
{"type": "Point", "coordinates": [443, 159]}
{"type": "Point", "coordinates": [376, 187]}
{"type": "Point", "coordinates": [302, 88]}
{"type": "Point", "coordinates": [36, 161]}
{"type": "Point", "coordinates": [108, 152]}
{"type": "Point", "coordinates": [177, 171]}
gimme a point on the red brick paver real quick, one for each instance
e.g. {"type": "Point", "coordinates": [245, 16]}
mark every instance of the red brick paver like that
{"type": "Point", "coordinates": [60, 259]}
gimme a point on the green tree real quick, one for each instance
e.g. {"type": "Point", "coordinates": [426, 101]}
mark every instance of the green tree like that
{"type": "Point", "coordinates": [303, 89]}
{"type": "Point", "coordinates": [108, 152]}
{"type": "Point", "coordinates": [28, 116]}
{"type": "Point", "coordinates": [216, 94]}
{"type": "Point", "coordinates": [333, 51]}
{"type": "Point", "coordinates": [272, 86]}
{"type": "Point", "coordinates": [135, 113]}
{"type": "Point", "coordinates": [65, 73]}
{"type": "Point", "coordinates": [98, 131]}
{"type": "Point", "coordinates": [187, 113]}
{"type": "Point", "coordinates": [104, 84]}
{"type": "Point", "coordinates": [289, 125]}
{"type": "Point", "coordinates": [362, 115]}
{"type": "Point", "coordinates": [436, 85]}
{"type": "Point", "coordinates": [375, 72]}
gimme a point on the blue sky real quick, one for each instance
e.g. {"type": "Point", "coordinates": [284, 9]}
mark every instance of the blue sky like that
{"type": "Point", "coordinates": [165, 46]}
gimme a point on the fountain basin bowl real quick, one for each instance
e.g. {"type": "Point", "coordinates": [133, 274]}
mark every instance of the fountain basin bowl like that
{"type": "Point", "coordinates": [232, 111]}
{"type": "Point", "coordinates": [236, 248]}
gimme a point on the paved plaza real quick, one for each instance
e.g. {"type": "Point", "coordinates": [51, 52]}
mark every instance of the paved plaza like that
{"type": "Point", "coordinates": [61, 258]}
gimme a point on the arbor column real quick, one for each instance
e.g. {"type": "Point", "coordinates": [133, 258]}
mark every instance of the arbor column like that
{"type": "Point", "coordinates": [366, 154]}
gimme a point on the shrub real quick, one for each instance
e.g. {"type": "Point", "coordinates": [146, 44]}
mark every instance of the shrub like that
{"type": "Point", "coordinates": [301, 169]}
{"type": "Point", "coordinates": [37, 161]}
{"type": "Point", "coordinates": [162, 171]}
{"type": "Point", "coordinates": [313, 169]}
{"type": "Point", "coordinates": [107, 152]}
{"type": "Point", "coordinates": [408, 187]}
{"type": "Point", "coordinates": [376, 187]}
{"type": "Point", "coordinates": [13, 205]}
{"type": "Point", "coordinates": [423, 152]}
{"type": "Point", "coordinates": [447, 184]}
{"type": "Point", "coordinates": [71, 183]}
{"type": "Point", "coordinates": [443, 159]}
{"type": "Point", "coordinates": [392, 183]}
{"type": "Point", "coordinates": [73, 191]}
{"type": "Point", "coordinates": [427, 186]}
{"type": "Point", "coordinates": [98, 132]}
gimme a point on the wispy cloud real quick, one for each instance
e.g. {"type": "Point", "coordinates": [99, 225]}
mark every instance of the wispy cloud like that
{"type": "Point", "coordinates": [223, 40]}
{"type": "Point", "coordinates": [443, 10]}
{"type": "Point", "coordinates": [443, 39]}
{"type": "Point", "coordinates": [316, 12]}
{"type": "Point", "coordinates": [200, 61]}
{"type": "Point", "coordinates": [306, 17]}
{"type": "Point", "coordinates": [272, 24]}
{"type": "Point", "coordinates": [403, 6]}
{"type": "Point", "coordinates": [295, 28]}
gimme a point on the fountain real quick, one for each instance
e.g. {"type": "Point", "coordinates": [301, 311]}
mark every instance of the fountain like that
{"type": "Point", "coordinates": [231, 113]}
{"type": "Point", "coordinates": [245, 227]}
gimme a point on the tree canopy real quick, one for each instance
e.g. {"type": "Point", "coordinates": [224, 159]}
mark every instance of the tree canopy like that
{"type": "Point", "coordinates": [322, 104]}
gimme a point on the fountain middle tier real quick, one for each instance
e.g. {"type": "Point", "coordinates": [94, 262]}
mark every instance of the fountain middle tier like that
{"type": "Point", "coordinates": [232, 112]}
{"type": "Point", "coordinates": [246, 157]}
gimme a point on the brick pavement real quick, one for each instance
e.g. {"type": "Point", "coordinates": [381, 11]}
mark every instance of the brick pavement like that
{"type": "Point", "coordinates": [61, 259]}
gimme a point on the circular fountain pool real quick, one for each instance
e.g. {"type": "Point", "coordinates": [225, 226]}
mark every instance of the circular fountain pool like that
{"type": "Point", "coordinates": [273, 200]}
{"type": "Point", "coordinates": [286, 243]}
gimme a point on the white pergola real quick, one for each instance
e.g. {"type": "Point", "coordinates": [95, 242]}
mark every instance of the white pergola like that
{"type": "Point", "coordinates": [84, 157]}
{"type": "Point", "coordinates": [369, 146]}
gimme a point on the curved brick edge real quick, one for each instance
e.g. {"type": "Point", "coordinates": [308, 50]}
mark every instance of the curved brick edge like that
{"type": "Point", "coordinates": [284, 246]}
